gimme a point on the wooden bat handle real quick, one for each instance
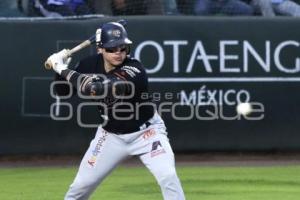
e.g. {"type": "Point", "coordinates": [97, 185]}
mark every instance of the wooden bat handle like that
{"type": "Point", "coordinates": [48, 64]}
{"type": "Point", "coordinates": [79, 47]}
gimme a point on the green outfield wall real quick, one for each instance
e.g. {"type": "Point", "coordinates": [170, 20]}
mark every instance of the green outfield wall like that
{"type": "Point", "coordinates": [199, 70]}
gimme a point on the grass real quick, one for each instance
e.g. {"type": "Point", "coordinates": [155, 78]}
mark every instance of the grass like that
{"type": "Point", "coordinates": [136, 183]}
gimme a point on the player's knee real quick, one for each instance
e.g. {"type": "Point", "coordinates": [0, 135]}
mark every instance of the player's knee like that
{"type": "Point", "coordinates": [84, 185]}
{"type": "Point", "coordinates": [170, 186]}
{"type": "Point", "coordinates": [167, 178]}
{"type": "Point", "coordinates": [80, 189]}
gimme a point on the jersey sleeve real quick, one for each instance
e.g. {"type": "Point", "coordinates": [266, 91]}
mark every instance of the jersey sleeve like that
{"type": "Point", "coordinates": [133, 74]}
{"type": "Point", "coordinates": [62, 88]}
{"type": "Point", "coordinates": [84, 66]}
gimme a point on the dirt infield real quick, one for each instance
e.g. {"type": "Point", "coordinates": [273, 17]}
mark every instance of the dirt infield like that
{"type": "Point", "coordinates": [199, 159]}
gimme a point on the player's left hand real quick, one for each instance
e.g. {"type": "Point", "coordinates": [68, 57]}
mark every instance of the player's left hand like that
{"type": "Point", "coordinates": [60, 61]}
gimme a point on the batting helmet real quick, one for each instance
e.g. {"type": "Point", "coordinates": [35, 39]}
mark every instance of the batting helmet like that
{"type": "Point", "coordinates": [112, 34]}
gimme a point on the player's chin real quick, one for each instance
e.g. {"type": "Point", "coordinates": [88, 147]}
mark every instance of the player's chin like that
{"type": "Point", "coordinates": [118, 62]}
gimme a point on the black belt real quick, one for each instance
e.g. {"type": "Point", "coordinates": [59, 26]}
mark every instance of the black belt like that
{"type": "Point", "coordinates": [118, 132]}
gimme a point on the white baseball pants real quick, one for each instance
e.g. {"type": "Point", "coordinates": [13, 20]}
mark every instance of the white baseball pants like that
{"type": "Point", "coordinates": [107, 150]}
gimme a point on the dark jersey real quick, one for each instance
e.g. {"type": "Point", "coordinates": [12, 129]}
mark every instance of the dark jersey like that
{"type": "Point", "coordinates": [124, 112]}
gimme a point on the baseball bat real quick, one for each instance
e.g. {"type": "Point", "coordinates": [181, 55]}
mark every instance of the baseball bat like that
{"type": "Point", "coordinates": [70, 52]}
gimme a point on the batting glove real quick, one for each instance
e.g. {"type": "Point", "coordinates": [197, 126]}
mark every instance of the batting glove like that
{"type": "Point", "coordinates": [60, 61]}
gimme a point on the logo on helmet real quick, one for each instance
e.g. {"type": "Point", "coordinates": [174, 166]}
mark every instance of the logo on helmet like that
{"type": "Point", "coordinates": [116, 33]}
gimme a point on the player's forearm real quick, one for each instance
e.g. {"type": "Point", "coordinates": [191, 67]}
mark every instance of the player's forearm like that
{"type": "Point", "coordinates": [85, 84]}
{"type": "Point", "coordinates": [88, 86]}
{"type": "Point", "coordinates": [78, 80]}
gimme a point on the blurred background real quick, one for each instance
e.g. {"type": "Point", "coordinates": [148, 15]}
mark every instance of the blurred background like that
{"type": "Point", "coordinates": [203, 58]}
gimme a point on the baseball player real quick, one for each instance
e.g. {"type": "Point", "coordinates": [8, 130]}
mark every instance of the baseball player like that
{"type": "Point", "coordinates": [132, 126]}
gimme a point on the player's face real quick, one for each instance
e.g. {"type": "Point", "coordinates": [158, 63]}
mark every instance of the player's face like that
{"type": "Point", "coordinates": [116, 55]}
